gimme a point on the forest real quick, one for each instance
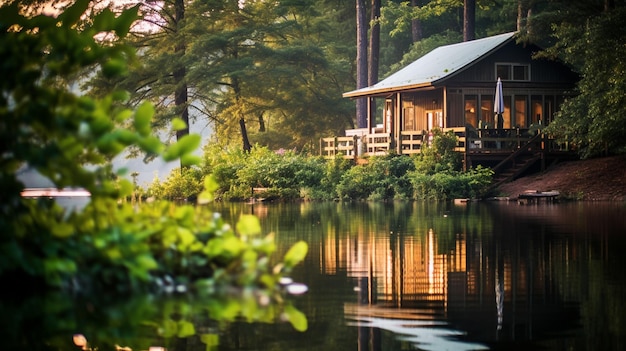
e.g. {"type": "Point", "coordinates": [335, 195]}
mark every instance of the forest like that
{"type": "Point", "coordinates": [272, 72]}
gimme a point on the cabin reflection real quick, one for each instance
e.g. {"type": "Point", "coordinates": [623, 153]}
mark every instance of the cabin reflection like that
{"type": "Point", "coordinates": [494, 289]}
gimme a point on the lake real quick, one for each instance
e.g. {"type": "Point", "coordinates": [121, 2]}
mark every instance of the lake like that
{"type": "Point", "coordinates": [393, 276]}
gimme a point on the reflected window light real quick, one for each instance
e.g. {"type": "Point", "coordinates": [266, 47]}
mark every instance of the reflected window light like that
{"type": "Point", "coordinates": [80, 340]}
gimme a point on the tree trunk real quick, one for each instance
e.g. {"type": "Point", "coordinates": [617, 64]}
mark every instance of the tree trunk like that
{"type": "Point", "coordinates": [261, 122]}
{"type": "Point", "coordinates": [374, 51]}
{"type": "Point", "coordinates": [361, 61]}
{"type": "Point", "coordinates": [469, 20]}
{"type": "Point", "coordinates": [374, 47]}
{"type": "Point", "coordinates": [520, 14]}
{"type": "Point", "coordinates": [180, 91]}
{"type": "Point", "coordinates": [242, 120]}
{"type": "Point", "coordinates": [416, 25]}
{"type": "Point", "coordinates": [244, 135]}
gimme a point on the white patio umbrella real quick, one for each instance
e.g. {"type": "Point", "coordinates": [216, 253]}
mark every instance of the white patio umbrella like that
{"type": "Point", "coordinates": [498, 106]}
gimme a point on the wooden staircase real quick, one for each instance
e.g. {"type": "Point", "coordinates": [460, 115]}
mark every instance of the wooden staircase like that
{"type": "Point", "coordinates": [521, 164]}
{"type": "Point", "coordinates": [516, 163]}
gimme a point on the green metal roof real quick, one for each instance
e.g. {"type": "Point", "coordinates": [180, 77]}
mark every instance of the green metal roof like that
{"type": "Point", "coordinates": [437, 65]}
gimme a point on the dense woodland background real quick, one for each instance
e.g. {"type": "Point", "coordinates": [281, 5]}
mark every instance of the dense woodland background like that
{"type": "Point", "coordinates": [272, 72]}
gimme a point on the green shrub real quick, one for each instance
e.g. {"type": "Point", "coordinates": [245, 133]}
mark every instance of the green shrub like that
{"type": "Point", "coordinates": [440, 155]}
{"type": "Point", "coordinates": [382, 178]}
{"type": "Point", "coordinates": [181, 184]}
{"type": "Point", "coordinates": [284, 173]}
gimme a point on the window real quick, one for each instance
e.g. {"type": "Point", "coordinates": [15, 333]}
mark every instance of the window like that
{"type": "Point", "coordinates": [486, 112]}
{"type": "Point", "coordinates": [536, 112]}
{"type": "Point", "coordinates": [513, 71]}
{"type": "Point", "coordinates": [520, 72]}
{"type": "Point", "coordinates": [471, 115]}
{"type": "Point", "coordinates": [520, 111]}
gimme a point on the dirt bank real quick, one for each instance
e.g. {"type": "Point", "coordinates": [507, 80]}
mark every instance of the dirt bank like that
{"type": "Point", "coordinates": [598, 179]}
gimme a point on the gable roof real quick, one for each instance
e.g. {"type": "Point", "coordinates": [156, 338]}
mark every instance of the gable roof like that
{"type": "Point", "coordinates": [439, 64]}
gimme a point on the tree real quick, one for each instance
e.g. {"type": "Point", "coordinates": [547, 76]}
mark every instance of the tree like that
{"type": "Point", "coordinates": [374, 49]}
{"type": "Point", "coordinates": [245, 64]}
{"type": "Point", "coordinates": [416, 24]}
{"type": "Point", "coordinates": [469, 20]}
{"type": "Point", "coordinates": [590, 38]}
{"type": "Point", "coordinates": [361, 61]}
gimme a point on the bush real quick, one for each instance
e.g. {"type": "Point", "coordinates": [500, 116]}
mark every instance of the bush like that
{"type": "Point", "coordinates": [284, 173]}
{"type": "Point", "coordinates": [181, 184]}
{"type": "Point", "coordinates": [382, 178]}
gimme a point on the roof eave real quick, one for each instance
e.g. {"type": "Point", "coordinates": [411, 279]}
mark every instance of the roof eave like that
{"type": "Point", "coordinates": [386, 90]}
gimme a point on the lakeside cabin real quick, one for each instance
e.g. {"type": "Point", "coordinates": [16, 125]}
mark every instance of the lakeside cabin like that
{"type": "Point", "coordinates": [453, 88]}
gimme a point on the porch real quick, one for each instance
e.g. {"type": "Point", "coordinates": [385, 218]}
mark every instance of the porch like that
{"type": "Point", "coordinates": [508, 151]}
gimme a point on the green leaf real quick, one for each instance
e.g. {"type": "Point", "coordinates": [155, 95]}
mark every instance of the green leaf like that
{"type": "Point", "coordinates": [147, 262]}
{"type": "Point", "coordinates": [248, 225]}
{"type": "Point", "coordinates": [185, 329]}
{"type": "Point", "coordinates": [143, 117]}
{"type": "Point", "coordinates": [125, 136]}
{"type": "Point", "coordinates": [126, 187]}
{"type": "Point", "coordinates": [190, 160]}
{"type": "Point", "coordinates": [123, 115]}
{"type": "Point", "coordinates": [72, 14]}
{"type": "Point", "coordinates": [210, 183]}
{"type": "Point", "coordinates": [208, 194]}
{"type": "Point", "coordinates": [125, 20]}
{"type": "Point", "coordinates": [296, 254]}
{"type": "Point", "coordinates": [296, 318]}
{"type": "Point", "coordinates": [205, 197]}
{"type": "Point", "coordinates": [178, 124]}
{"type": "Point", "coordinates": [62, 230]}
{"type": "Point", "coordinates": [210, 340]}
{"type": "Point", "coordinates": [185, 145]}
{"type": "Point", "coordinates": [103, 21]}
{"type": "Point", "coordinates": [151, 144]}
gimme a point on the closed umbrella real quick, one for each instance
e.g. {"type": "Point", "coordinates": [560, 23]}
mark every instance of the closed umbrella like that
{"type": "Point", "coordinates": [498, 106]}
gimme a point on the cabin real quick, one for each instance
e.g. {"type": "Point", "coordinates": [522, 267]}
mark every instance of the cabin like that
{"type": "Point", "coordinates": [453, 88]}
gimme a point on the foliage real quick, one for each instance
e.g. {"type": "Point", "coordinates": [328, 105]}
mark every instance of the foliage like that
{"type": "Point", "coordinates": [381, 178]}
{"type": "Point", "coordinates": [284, 173]}
{"type": "Point", "coordinates": [438, 173]}
{"type": "Point", "coordinates": [107, 246]}
{"type": "Point", "coordinates": [243, 64]}
{"type": "Point", "coordinates": [140, 321]}
{"type": "Point", "coordinates": [440, 156]}
{"type": "Point", "coordinates": [452, 185]}
{"type": "Point", "coordinates": [181, 184]}
{"type": "Point", "coordinates": [595, 119]}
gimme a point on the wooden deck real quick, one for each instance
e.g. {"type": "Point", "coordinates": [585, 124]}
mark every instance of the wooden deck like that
{"type": "Point", "coordinates": [471, 142]}
{"type": "Point", "coordinates": [509, 152]}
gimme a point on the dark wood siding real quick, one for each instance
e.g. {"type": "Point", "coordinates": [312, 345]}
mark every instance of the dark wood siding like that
{"type": "Point", "coordinates": [455, 108]}
{"type": "Point", "coordinates": [542, 71]}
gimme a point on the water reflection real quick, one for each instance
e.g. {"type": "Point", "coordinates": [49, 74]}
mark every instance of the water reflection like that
{"type": "Point", "coordinates": [396, 276]}
{"type": "Point", "coordinates": [489, 275]}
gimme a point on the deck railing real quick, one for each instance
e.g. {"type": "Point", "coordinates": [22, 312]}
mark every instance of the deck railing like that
{"type": "Point", "coordinates": [470, 141]}
{"type": "Point", "coordinates": [346, 146]}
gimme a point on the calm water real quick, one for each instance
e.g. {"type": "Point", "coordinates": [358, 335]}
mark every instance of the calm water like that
{"type": "Point", "coordinates": [409, 276]}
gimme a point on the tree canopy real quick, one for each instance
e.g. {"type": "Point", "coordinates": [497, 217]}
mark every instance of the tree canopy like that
{"type": "Point", "coordinates": [279, 68]}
